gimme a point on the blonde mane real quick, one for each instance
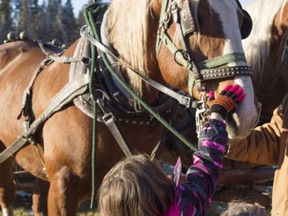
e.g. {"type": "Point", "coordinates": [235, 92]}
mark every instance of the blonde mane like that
{"type": "Point", "coordinates": [257, 45]}
{"type": "Point", "coordinates": [130, 18]}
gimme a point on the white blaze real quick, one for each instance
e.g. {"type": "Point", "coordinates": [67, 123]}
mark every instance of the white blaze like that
{"type": "Point", "coordinates": [247, 114]}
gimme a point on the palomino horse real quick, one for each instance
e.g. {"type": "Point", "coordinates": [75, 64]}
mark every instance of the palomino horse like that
{"type": "Point", "coordinates": [266, 50]}
{"type": "Point", "coordinates": [205, 40]}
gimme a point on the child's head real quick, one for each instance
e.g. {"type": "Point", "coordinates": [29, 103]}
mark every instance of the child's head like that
{"type": "Point", "coordinates": [240, 208]}
{"type": "Point", "coordinates": [135, 186]}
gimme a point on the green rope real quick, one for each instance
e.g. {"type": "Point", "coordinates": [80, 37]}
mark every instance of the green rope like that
{"type": "Point", "coordinates": [89, 20]}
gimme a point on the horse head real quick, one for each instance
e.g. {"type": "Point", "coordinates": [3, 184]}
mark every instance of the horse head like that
{"type": "Point", "coordinates": [193, 46]}
{"type": "Point", "coordinates": [215, 37]}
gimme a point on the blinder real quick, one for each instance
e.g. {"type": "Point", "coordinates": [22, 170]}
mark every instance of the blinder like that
{"type": "Point", "coordinates": [247, 23]}
{"type": "Point", "coordinates": [188, 25]}
{"type": "Point", "coordinates": [187, 22]}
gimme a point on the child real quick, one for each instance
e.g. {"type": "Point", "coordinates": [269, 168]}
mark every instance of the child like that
{"type": "Point", "coordinates": [136, 186]}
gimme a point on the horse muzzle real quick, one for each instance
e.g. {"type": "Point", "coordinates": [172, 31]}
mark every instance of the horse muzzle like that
{"type": "Point", "coordinates": [246, 117]}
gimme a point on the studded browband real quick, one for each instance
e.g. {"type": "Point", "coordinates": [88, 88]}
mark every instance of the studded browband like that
{"type": "Point", "coordinates": [219, 73]}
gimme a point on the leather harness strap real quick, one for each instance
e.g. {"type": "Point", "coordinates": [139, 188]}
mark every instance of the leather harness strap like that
{"type": "Point", "coordinates": [55, 54]}
{"type": "Point", "coordinates": [109, 120]}
{"type": "Point", "coordinates": [65, 95]}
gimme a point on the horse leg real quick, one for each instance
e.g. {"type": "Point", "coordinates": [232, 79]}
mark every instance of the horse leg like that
{"type": "Point", "coordinates": [7, 186]}
{"type": "Point", "coordinates": [40, 197]}
{"type": "Point", "coordinates": [63, 197]}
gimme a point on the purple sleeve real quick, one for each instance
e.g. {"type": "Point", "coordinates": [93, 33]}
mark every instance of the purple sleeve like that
{"type": "Point", "coordinates": [195, 195]}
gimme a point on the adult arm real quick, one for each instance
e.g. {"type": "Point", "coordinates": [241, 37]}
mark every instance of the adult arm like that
{"type": "Point", "coordinates": [262, 146]}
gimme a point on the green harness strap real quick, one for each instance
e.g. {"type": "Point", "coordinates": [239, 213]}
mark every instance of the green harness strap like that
{"type": "Point", "coordinates": [88, 15]}
{"type": "Point", "coordinates": [221, 60]}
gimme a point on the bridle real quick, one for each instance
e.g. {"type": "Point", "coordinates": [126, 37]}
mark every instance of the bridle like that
{"type": "Point", "coordinates": [209, 69]}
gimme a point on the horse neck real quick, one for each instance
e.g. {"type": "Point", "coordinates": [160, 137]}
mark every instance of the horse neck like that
{"type": "Point", "coordinates": [274, 82]}
{"type": "Point", "coordinates": [279, 34]}
{"type": "Point", "coordinates": [150, 66]}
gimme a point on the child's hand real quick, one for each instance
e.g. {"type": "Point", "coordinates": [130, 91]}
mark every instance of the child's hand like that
{"type": "Point", "coordinates": [226, 101]}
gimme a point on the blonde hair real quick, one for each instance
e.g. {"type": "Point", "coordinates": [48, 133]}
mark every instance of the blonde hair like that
{"type": "Point", "coordinates": [240, 208]}
{"type": "Point", "coordinates": [135, 186]}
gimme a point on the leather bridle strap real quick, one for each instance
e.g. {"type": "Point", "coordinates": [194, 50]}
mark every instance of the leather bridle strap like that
{"type": "Point", "coordinates": [218, 73]}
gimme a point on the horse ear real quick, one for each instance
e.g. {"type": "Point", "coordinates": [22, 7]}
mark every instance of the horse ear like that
{"type": "Point", "coordinates": [246, 25]}
{"type": "Point", "coordinates": [247, 22]}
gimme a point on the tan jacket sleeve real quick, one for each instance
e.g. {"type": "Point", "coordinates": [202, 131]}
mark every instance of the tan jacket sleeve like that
{"type": "Point", "coordinates": [263, 144]}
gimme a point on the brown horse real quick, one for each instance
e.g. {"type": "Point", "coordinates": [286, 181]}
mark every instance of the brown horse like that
{"type": "Point", "coordinates": [266, 50]}
{"type": "Point", "coordinates": [205, 37]}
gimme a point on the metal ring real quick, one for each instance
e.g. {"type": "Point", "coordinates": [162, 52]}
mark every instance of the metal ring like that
{"type": "Point", "coordinates": [175, 59]}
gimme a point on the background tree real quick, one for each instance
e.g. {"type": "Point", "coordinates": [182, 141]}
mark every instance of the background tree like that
{"type": "Point", "coordinates": [69, 23]}
{"type": "Point", "coordinates": [6, 24]}
{"type": "Point", "coordinates": [52, 19]}
{"type": "Point", "coordinates": [37, 19]}
{"type": "Point", "coordinates": [25, 18]}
